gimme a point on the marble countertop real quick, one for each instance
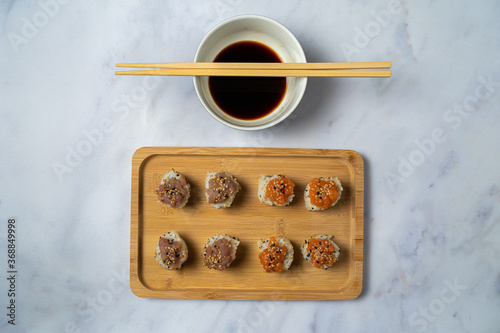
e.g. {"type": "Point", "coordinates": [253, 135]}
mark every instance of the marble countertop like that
{"type": "Point", "coordinates": [428, 136]}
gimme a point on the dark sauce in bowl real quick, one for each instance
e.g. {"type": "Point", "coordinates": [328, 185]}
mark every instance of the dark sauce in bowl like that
{"type": "Point", "coordinates": [247, 98]}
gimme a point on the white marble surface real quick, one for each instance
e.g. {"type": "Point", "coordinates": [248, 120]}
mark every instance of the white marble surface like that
{"type": "Point", "coordinates": [429, 137]}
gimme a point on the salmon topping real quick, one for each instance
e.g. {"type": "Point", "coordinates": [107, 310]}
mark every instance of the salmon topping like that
{"type": "Point", "coordinates": [321, 252]}
{"type": "Point", "coordinates": [323, 193]}
{"type": "Point", "coordinates": [273, 257]}
{"type": "Point", "coordinates": [279, 190]}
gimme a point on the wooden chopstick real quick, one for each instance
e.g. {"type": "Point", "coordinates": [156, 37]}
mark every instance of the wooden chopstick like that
{"type": "Point", "coordinates": [353, 69]}
{"type": "Point", "coordinates": [260, 73]}
{"type": "Point", "coordinates": [266, 65]}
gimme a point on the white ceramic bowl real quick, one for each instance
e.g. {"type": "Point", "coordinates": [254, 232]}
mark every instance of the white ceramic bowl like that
{"type": "Point", "coordinates": [252, 28]}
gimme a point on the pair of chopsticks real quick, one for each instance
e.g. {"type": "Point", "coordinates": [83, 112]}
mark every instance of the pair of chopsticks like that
{"type": "Point", "coordinates": [329, 69]}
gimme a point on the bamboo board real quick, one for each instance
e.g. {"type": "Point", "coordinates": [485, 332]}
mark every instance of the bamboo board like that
{"type": "Point", "coordinates": [247, 219]}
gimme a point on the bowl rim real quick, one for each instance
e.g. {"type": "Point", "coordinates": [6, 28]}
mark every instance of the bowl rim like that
{"type": "Point", "coordinates": [300, 92]}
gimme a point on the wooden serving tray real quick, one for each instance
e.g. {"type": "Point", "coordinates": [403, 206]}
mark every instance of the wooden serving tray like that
{"type": "Point", "coordinates": [247, 219]}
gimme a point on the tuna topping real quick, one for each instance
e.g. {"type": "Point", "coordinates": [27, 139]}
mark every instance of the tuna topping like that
{"type": "Point", "coordinates": [173, 191]}
{"type": "Point", "coordinates": [221, 187]}
{"type": "Point", "coordinates": [219, 255]}
{"type": "Point", "coordinates": [170, 252]}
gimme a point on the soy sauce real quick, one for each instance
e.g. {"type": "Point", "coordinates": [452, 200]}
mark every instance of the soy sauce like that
{"type": "Point", "coordinates": [247, 98]}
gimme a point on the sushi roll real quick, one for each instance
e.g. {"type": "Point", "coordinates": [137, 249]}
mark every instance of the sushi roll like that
{"type": "Point", "coordinates": [220, 251]}
{"type": "Point", "coordinates": [276, 190]}
{"type": "Point", "coordinates": [320, 251]}
{"type": "Point", "coordinates": [171, 251]}
{"type": "Point", "coordinates": [322, 193]}
{"type": "Point", "coordinates": [275, 254]}
{"type": "Point", "coordinates": [174, 190]}
{"type": "Point", "coordinates": [221, 189]}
